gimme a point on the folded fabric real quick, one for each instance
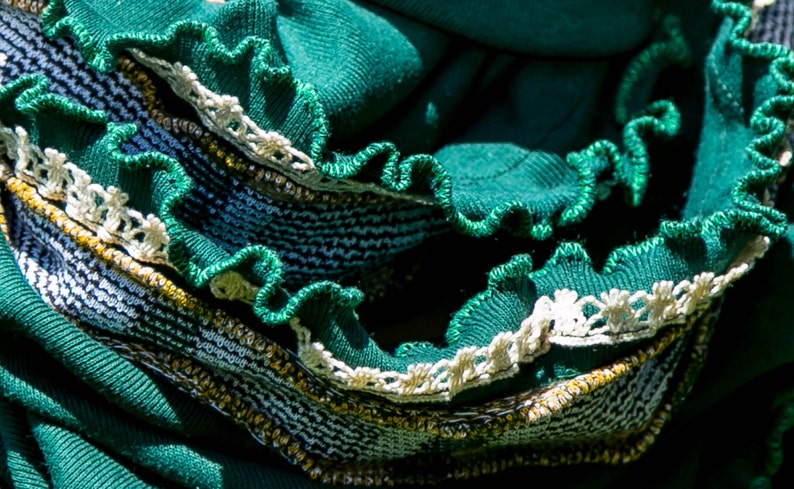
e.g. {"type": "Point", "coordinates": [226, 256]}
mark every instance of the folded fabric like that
{"type": "Point", "coordinates": [207, 281]}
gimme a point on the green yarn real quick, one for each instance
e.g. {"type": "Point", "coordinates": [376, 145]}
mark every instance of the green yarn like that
{"type": "Point", "coordinates": [672, 50]}
{"type": "Point", "coordinates": [116, 379]}
{"type": "Point", "coordinates": [729, 214]}
{"type": "Point", "coordinates": [60, 412]}
{"type": "Point", "coordinates": [75, 463]}
{"type": "Point", "coordinates": [246, 65]}
{"type": "Point", "coordinates": [112, 416]}
{"type": "Point", "coordinates": [22, 460]}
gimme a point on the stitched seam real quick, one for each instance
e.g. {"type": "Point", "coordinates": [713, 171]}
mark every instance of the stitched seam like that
{"type": "Point", "coordinates": [621, 316]}
{"type": "Point", "coordinates": [761, 220]}
{"type": "Point", "coordinates": [618, 449]}
{"type": "Point", "coordinates": [506, 414]}
{"type": "Point", "coordinates": [225, 114]}
{"type": "Point", "coordinates": [100, 209]}
{"type": "Point", "coordinates": [267, 181]}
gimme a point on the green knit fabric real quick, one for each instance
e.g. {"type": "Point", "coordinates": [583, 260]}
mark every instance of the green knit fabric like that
{"type": "Point", "coordinates": [543, 124]}
{"type": "Point", "coordinates": [75, 463]}
{"type": "Point", "coordinates": [567, 28]}
{"type": "Point", "coordinates": [475, 202]}
{"type": "Point", "coordinates": [62, 413]}
{"type": "Point", "coordinates": [22, 458]}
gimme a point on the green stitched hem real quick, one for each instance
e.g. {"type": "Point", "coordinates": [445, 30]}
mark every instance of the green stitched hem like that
{"type": "Point", "coordinates": [679, 251]}
{"type": "Point", "coordinates": [197, 42]}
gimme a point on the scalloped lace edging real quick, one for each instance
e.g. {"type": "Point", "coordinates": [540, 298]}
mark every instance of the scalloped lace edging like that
{"type": "Point", "coordinates": [225, 115]}
{"type": "Point", "coordinates": [620, 316]}
{"type": "Point", "coordinates": [102, 210]}
{"type": "Point", "coordinates": [399, 175]}
{"type": "Point", "coordinates": [261, 264]}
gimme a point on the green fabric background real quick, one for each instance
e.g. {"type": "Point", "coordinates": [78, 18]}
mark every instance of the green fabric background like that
{"type": "Point", "coordinates": [66, 400]}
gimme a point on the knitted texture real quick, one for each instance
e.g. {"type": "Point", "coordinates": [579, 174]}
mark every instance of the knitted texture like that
{"type": "Point", "coordinates": [775, 24]}
{"type": "Point", "coordinates": [294, 231]}
{"type": "Point", "coordinates": [207, 263]}
{"type": "Point", "coordinates": [234, 356]}
{"type": "Point", "coordinates": [186, 204]}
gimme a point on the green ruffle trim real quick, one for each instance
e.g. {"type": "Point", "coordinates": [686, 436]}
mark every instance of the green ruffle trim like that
{"type": "Point", "coordinates": [678, 251]}
{"type": "Point", "coordinates": [243, 62]}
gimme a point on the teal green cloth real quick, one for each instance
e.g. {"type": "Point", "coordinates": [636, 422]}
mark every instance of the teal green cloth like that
{"type": "Point", "coordinates": [543, 127]}
{"type": "Point", "coordinates": [462, 185]}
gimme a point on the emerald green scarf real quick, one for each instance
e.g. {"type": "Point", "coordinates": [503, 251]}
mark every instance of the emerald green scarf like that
{"type": "Point", "coordinates": [380, 242]}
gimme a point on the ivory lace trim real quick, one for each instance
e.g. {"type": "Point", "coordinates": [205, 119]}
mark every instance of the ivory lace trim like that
{"type": "Point", "coordinates": [620, 316]}
{"type": "Point", "coordinates": [226, 116]}
{"type": "Point", "coordinates": [103, 210]}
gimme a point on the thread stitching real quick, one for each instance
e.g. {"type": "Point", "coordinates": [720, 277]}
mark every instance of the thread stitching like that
{"type": "Point", "coordinates": [279, 361]}
{"type": "Point", "coordinates": [225, 114]}
{"type": "Point", "coordinates": [102, 210]}
{"type": "Point", "coordinates": [621, 316]}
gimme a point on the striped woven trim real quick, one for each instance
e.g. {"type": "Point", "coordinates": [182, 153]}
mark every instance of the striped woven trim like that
{"type": "Point", "coordinates": [773, 22]}
{"type": "Point", "coordinates": [285, 218]}
{"type": "Point", "coordinates": [466, 454]}
{"type": "Point", "coordinates": [471, 367]}
{"type": "Point", "coordinates": [531, 418]}
{"type": "Point", "coordinates": [620, 317]}
{"type": "Point", "coordinates": [275, 184]}
{"type": "Point", "coordinates": [296, 374]}
{"type": "Point", "coordinates": [103, 210]}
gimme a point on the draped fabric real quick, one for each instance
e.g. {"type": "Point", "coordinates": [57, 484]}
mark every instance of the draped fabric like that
{"type": "Point", "coordinates": [262, 243]}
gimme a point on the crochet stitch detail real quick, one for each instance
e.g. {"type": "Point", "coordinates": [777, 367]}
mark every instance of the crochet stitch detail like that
{"type": "Point", "coordinates": [728, 227]}
{"type": "Point", "coordinates": [621, 317]}
{"type": "Point", "coordinates": [515, 416]}
{"type": "Point", "coordinates": [562, 326]}
{"type": "Point", "coordinates": [103, 210]}
{"type": "Point", "coordinates": [347, 298]}
{"type": "Point", "coordinates": [233, 287]}
{"type": "Point", "coordinates": [226, 116]}
{"type": "Point", "coordinates": [197, 43]}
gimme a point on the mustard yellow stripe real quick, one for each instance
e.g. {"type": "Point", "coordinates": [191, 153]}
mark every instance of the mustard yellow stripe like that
{"type": "Point", "coordinates": [536, 404]}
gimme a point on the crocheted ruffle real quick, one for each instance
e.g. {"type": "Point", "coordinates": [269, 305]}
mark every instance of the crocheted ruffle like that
{"type": "Point", "coordinates": [707, 241]}
{"type": "Point", "coordinates": [654, 296]}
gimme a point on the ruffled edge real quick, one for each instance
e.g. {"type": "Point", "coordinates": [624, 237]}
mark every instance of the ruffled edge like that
{"type": "Point", "coordinates": [751, 216]}
{"type": "Point", "coordinates": [399, 176]}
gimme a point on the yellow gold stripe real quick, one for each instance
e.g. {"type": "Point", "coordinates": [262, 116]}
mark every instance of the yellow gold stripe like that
{"type": "Point", "coordinates": [535, 404]}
